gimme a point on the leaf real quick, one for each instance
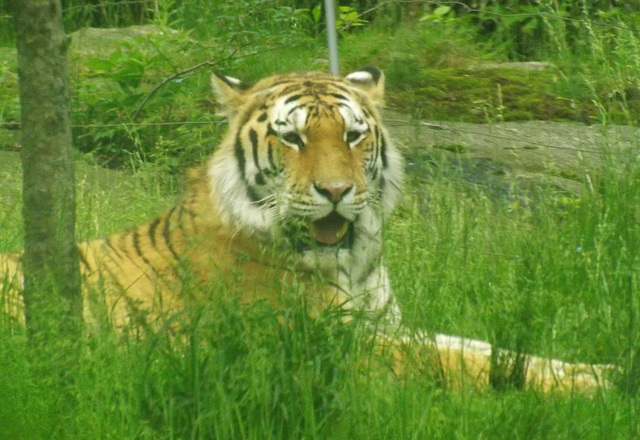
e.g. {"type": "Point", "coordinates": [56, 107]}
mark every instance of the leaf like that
{"type": "Point", "coordinates": [316, 13]}
{"type": "Point", "coordinates": [437, 14]}
{"type": "Point", "coordinates": [100, 65]}
{"type": "Point", "coordinates": [130, 74]}
{"type": "Point", "coordinates": [441, 10]}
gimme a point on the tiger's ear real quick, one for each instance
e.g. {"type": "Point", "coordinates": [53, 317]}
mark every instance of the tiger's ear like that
{"type": "Point", "coordinates": [371, 81]}
{"type": "Point", "coordinates": [229, 91]}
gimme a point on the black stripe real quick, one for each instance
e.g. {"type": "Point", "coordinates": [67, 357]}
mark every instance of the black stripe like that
{"type": "Point", "coordinates": [166, 234]}
{"type": "Point", "coordinates": [123, 248]}
{"type": "Point", "coordinates": [190, 213]}
{"type": "Point", "coordinates": [181, 220]}
{"type": "Point", "coordinates": [272, 164]}
{"type": "Point", "coordinates": [339, 96]}
{"type": "Point", "coordinates": [374, 263]}
{"type": "Point", "coordinates": [192, 217]}
{"type": "Point", "coordinates": [383, 151]}
{"type": "Point", "coordinates": [280, 82]}
{"type": "Point", "coordinates": [83, 258]}
{"type": "Point", "coordinates": [136, 246]}
{"type": "Point", "coordinates": [152, 232]}
{"type": "Point", "coordinates": [123, 245]}
{"type": "Point", "coordinates": [376, 149]}
{"type": "Point", "coordinates": [113, 278]}
{"type": "Point", "coordinates": [239, 152]}
{"type": "Point", "coordinates": [292, 98]}
{"type": "Point", "coordinates": [259, 177]}
{"type": "Point", "coordinates": [294, 109]}
{"type": "Point", "coordinates": [253, 137]}
{"type": "Point", "coordinates": [273, 167]}
{"type": "Point", "coordinates": [290, 89]}
{"type": "Point", "coordinates": [271, 131]}
{"type": "Point", "coordinates": [107, 241]}
{"type": "Point", "coordinates": [251, 192]}
{"type": "Point", "coordinates": [262, 117]}
{"type": "Point", "coordinates": [341, 88]}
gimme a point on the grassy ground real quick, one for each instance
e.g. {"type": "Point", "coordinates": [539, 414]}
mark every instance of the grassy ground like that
{"type": "Point", "coordinates": [545, 274]}
{"type": "Point", "coordinates": [540, 271]}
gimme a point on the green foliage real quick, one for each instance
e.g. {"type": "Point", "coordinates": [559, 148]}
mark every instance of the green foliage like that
{"type": "Point", "coordinates": [347, 17]}
{"type": "Point", "coordinates": [243, 22]}
{"type": "Point", "coordinates": [127, 70]}
{"type": "Point", "coordinates": [138, 120]}
{"type": "Point", "coordinates": [175, 127]}
{"type": "Point", "coordinates": [106, 13]}
{"type": "Point", "coordinates": [441, 12]}
{"type": "Point", "coordinates": [530, 268]}
{"type": "Point", "coordinates": [431, 63]}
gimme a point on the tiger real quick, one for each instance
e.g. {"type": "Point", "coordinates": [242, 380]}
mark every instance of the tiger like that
{"type": "Point", "coordinates": [297, 192]}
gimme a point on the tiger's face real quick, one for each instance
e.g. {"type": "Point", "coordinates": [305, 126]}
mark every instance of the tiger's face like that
{"type": "Point", "coordinates": [306, 149]}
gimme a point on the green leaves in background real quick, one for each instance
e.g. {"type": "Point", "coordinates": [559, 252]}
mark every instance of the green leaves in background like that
{"type": "Point", "coordinates": [127, 69]}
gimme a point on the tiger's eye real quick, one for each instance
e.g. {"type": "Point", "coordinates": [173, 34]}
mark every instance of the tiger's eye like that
{"type": "Point", "coordinates": [354, 136]}
{"type": "Point", "coordinates": [292, 138]}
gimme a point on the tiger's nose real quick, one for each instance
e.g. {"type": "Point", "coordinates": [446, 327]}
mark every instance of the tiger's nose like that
{"type": "Point", "coordinates": [333, 191]}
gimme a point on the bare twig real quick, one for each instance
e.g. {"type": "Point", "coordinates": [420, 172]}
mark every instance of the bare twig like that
{"type": "Point", "coordinates": [209, 62]}
{"type": "Point", "coordinates": [167, 80]}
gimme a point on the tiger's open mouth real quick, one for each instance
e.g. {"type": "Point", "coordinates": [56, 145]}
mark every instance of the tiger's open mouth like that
{"type": "Point", "coordinates": [332, 230]}
{"type": "Point", "coordinates": [329, 230]}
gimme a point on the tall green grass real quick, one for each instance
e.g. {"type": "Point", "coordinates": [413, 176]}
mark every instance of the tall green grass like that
{"type": "Point", "coordinates": [531, 269]}
{"type": "Point", "coordinates": [240, 374]}
{"type": "Point", "coordinates": [527, 268]}
{"type": "Point", "coordinates": [536, 269]}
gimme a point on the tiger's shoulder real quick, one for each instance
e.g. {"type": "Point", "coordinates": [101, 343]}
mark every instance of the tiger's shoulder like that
{"type": "Point", "coordinates": [298, 189]}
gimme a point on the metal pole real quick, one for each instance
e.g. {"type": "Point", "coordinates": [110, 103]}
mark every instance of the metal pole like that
{"type": "Point", "coordinates": [332, 36]}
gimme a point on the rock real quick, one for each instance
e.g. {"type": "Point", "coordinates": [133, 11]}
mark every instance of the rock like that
{"type": "Point", "coordinates": [101, 42]}
{"type": "Point", "coordinates": [562, 154]}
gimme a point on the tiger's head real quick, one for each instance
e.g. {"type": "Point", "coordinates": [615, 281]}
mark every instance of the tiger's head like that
{"type": "Point", "coordinates": [306, 149]}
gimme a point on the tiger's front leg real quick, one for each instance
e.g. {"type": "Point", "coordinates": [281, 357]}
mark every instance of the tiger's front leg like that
{"type": "Point", "coordinates": [457, 363]}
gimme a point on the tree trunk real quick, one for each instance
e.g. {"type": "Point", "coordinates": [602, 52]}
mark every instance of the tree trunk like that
{"type": "Point", "coordinates": [52, 278]}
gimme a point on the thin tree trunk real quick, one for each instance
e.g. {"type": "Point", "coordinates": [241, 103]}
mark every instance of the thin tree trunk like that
{"type": "Point", "coordinates": [52, 279]}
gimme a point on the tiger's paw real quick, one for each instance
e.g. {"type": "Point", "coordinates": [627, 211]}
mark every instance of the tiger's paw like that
{"type": "Point", "coordinates": [551, 375]}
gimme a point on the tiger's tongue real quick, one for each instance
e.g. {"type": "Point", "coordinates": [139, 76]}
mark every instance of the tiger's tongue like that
{"type": "Point", "coordinates": [330, 229]}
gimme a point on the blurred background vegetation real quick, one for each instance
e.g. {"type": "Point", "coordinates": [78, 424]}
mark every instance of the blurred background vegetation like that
{"type": "Point", "coordinates": [134, 102]}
